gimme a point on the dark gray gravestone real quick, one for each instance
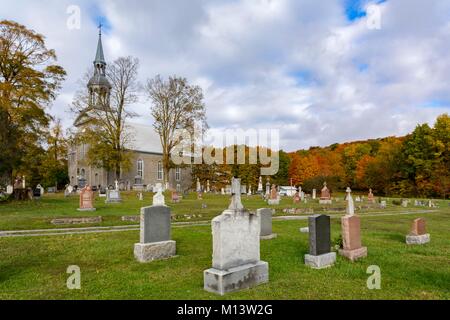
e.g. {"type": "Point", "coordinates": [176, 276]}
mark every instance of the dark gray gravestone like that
{"type": "Point", "coordinates": [155, 224]}
{"type": "Point", "coordinates": [319, 235]}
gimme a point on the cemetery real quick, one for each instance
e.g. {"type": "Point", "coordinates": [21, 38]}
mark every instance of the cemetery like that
{"type": "Point", "coordinates": [224, 161]}
{"type": "Point", "coordinates": [180, 249]}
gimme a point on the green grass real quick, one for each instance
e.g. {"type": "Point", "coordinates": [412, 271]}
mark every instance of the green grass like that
{"type": "Point", "coordinates": [35, 267]}
{"type": "Point", "coordinates": [38, 214]}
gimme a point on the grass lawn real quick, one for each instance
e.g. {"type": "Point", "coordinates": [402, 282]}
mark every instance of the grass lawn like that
{"type": "Point", "coordinates": [39, 213]}
{"type": "Point", "coordinates": [35, 267]}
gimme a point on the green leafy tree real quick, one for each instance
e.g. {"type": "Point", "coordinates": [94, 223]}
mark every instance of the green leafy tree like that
{"type": "Point", "coordinates": [29, 82]}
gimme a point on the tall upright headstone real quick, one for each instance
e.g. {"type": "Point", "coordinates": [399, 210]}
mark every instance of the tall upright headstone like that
{"type": "Point", "coordinates": [86, 199]}
{"type": "Point", "coordinates": [418, 234]}
{"type": "Point", "coordinates": [350, 208]}
{"type": "Point", "coordinates": [260, 185]}
{"type": "Point", "coordinates": [236, 263]}
{"type": "Point", "coordinates": [155, 241]}
{"type": "Point", "coordinates": [371, 197]}
{"type": "Point", "coordinates": [266, 224]}
{"type": "Point", "coordinates": [199, 187]}
{"type": "Point", "coordinates": [320, 255]}
{"type": "Point", "coordinates": [314, 194]}
{"type": "Point", "coordinates": [351, 233]}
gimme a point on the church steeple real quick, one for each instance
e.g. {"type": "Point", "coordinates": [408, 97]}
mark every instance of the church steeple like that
{"type": "Point", "coordinates": [99, 86]}
{"type": "Point", "coordinates": [99, 62]}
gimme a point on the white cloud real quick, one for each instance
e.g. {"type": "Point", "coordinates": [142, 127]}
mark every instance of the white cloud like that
{"type": "Point", "coordinates": [297, 66]}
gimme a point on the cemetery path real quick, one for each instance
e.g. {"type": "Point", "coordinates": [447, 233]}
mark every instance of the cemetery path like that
{"type": "Point", "coordinates": [87, 230]}
{"type": "Point", "coordinates": [135, 227]}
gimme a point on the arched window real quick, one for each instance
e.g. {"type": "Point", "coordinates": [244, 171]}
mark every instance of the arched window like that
{"type": "Point", "coordinates": [140, 168]}
{"type": "Point", "coordinates": [160, 171]}
{"type": "Point", "coordinates": [83, 173]}
{"type": "Point", "coordinates": [177, 174]}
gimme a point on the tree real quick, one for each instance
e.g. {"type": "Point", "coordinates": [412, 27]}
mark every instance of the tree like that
{"type": "Point", "coordinates": [104, 124]}
{"type": "Point", "coordinates": [175, 105]}
{"type": "Point", "coordinates": [29, 82]}
{"type": "Point", "coordinates": [53, 168]}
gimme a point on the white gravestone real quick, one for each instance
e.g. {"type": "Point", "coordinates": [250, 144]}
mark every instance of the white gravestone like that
{"type": "Point", "coordinates": [158, 198]}
{"type": "Point", "coordinates": [9, 189]}
{"type": "Point", "coordinates": [113, 196]}
{"type": "Point", "coordinates": [236, 261]}
{"type": "Point", "coordinates": [350, 209]}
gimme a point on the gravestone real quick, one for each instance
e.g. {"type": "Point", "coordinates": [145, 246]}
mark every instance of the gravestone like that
{"type": "Point", "coordinates": [113, 196]}
{"type": "Point", "coordinates": [175, 197]}
{"type": "Point", "coordinates": [9, 189]}
{"type": "Point", "coordinates": [81, 183]}
{"type": "Point", "coordinates": [267, 190]}
{"type": "Point", "coordinates": [266, 224]}
{"type": "Point", "coordinates": [236, 261]}
{"type": "Point", "coordinates": [260, 185]}
{"type": "Point", "coordinates": [370, 197]}
{"type": "Point", "coordinates": [296, 198]}
{"type": "Point", "coordinates": [154, 237]}
{"type": "Point", "coordinates": [141, 196]}
{"type": "Point", "coordinates": [418, 234]}
{"type": "Point", "coordinates": [158, 198]}
{"type": "Point", "coordinates": [68, 191]}
{"type": "Point", "coordinates": [320, 255]}
{"type": "Point", "coordinates": [304, 230]}
{"type": "Point", "coordinates": [405, 203]}
{"type": "Point", "coordinates": [102, 192]}
{"type": "Point", "coordinates": [351, 236]}
{"type": "Point", "coordinates": [350, 208]}
{"type": "Point", "coordinates": [199, 187]}
{"type": "Point", "coordinates": [51, 190]}
{"type": "Point", "coordinates": [41, 189]}
{"type": "Point", "coordinates": [37, 193]}
{"type": "Point", "coordinates": [274, 197]}
{"type": "Point", "coordinates": [222, 191]}
{"type": "Point", "coordinates": [383, 204]}
{"type": "Point", "coordinates": [325, 197]}
{"type": "Point", "coordinates": [314, 194]}
{"type": "Point", "coordinates": [86, 199]}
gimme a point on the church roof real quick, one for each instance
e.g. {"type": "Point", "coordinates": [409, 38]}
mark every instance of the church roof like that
{"type": "Point", "coordinates": [143, 138]}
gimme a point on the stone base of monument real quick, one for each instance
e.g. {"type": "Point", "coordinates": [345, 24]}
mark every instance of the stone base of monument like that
{"type": "Point", "coordinates": [269, 237]}
{"type": "Point", "coordinates": [422, 239]}
{"type": "Point", "coordinates": [86, 210]}
{"type": "Point", "coordinates": [273, 202]}
{"type": "Point", "coordinates": [146, 252]}
{"type": "Point", "coordinates": [325, 201]}
{"type": "Point", "coordinates": [322, 261]}
{"type": "Point", "coordinates": [304, 230]}
{"type": "Point", "coordinates": [235, 279]}
{"type": "Point", "coordinates": [355, 254]}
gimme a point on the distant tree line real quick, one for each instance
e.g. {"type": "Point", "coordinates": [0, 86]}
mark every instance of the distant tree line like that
{"type": "Point", "coordinates": [415, 165]}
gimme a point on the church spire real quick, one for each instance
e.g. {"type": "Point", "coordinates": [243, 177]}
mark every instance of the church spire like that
{"type": "Point", "coordinates": [99, 56]}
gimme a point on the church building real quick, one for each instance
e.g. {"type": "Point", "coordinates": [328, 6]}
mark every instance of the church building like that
{"type": "Point", "coordinates": [146, 170]}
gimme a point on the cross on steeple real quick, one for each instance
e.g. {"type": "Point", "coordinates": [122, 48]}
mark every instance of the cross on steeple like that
{"type": "Point", "coordinates": [100, 25]}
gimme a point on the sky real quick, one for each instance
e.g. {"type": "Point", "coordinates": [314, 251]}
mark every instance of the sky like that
{"type": "Point", "coordinates": [320, 72]}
